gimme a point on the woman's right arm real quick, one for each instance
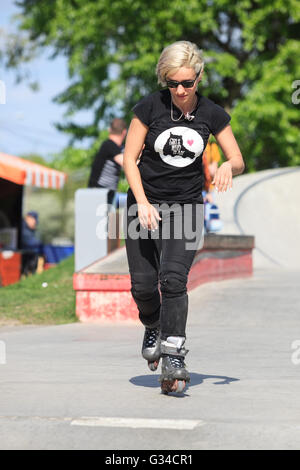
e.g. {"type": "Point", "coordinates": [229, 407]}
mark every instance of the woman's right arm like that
{"type": "Point", "coordinates": [135, 139]}
{"type": "Point", "coordinates": [134, 143]}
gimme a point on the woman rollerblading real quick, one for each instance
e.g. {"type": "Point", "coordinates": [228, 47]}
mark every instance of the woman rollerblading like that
{"type": "Point", "coordinates": [164, 217]}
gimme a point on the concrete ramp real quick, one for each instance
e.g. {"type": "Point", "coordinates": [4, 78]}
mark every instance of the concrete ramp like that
{"type": "Point", "coordinates": [266, 204]}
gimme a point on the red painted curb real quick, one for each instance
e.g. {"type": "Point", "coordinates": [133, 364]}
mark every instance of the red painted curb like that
{"type": "Point", "coordinates": [107, 296]}
{"type": "Point", "coordinates": [216, 269]}
{"type": "Point", "coordinates": [113, 306]}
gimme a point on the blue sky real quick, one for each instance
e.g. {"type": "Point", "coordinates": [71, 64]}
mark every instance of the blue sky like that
{"type": "Point", "coordinates": [27, 117]}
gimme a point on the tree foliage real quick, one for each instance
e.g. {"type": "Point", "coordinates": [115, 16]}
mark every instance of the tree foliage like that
{"type": "Point", "coordinates": [250, 48]}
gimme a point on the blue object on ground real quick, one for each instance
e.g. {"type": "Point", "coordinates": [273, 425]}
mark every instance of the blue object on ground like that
{"type": "Point", "coordinates": [55, 254]}
{"type": "Point", "coordinates": [212, 218]}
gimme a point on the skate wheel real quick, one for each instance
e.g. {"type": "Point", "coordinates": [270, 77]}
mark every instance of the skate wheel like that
{"type": "Point", "coordinates": [168, 386]}
{"type": "Point", "coordinates": [180, 386]}
{"type": "Point", "coordinates": [153, 365]}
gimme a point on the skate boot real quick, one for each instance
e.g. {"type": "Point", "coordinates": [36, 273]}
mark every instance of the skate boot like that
{"type": "Point", "coordinates": [174, 375]}
{"type": "Point", "coordinates": [151, 347]}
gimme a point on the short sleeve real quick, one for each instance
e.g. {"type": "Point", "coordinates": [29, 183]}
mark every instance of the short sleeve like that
{"type": "Point", "coordinates": [219, 119]}
{"type": "Point", "coordinates": [143, 110]}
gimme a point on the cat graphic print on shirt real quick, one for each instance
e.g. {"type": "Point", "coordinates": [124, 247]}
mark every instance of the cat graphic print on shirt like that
{"type": "Point", "coordinates": [179, 146]}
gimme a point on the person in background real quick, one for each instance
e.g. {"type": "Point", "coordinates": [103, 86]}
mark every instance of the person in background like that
{"type": "Point", "coordinates": [106, 167]}
{"type": "Point", "coordinates": [206, 174]}
{"type": "Point", "coordinates": [30, 243]}
{"type": "Point", "coordinates": [212, 158]}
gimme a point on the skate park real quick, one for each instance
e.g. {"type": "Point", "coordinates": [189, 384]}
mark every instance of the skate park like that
{"type": "Point", "coordinates": [86, 386]}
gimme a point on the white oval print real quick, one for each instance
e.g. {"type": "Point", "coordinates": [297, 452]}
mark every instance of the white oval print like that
{"type": "Point", "coordinates": [179, 146]}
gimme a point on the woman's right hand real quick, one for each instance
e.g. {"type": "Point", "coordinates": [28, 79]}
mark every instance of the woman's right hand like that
{"type": "Point", "coordinates": [148, 216]}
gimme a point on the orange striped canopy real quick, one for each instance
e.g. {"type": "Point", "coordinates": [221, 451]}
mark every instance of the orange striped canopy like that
{"type": "Point", "coordinates": [21, 171]}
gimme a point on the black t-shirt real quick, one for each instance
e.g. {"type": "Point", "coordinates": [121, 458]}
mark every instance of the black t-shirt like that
{"type": "Point", "coordinates": [171, 161]}
{"type": "Point", "coordinates": [105, 171]}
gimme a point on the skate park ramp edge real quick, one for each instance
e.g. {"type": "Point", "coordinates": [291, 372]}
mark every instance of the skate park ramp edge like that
{"type": "Point", "coordinates": [266, 205]}
{"type": "Point", "coordinates": [103, 288]}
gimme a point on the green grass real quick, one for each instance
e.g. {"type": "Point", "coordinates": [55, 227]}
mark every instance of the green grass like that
{"type": "Point", "coordinates": [28, 302]}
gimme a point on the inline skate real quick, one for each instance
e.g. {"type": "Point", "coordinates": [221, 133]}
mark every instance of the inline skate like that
{"type": "Point", "coordinates": [151, 347]}
{"type": "Point", "coordinates": [174, 375]}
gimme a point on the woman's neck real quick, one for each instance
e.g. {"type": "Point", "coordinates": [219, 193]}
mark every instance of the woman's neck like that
{"type": "Point", "coordinates": [187, 107]}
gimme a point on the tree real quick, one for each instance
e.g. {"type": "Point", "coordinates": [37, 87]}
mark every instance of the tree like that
{"type": "Point", "coordinates": [113, 46]}
{"type": "Point", "coordinates": [266, 121]}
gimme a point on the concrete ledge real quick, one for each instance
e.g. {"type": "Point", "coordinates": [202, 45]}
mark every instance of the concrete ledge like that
{"type": "Point", "coordinates": [103, 288]}
{"type": "Point", "coordinates": [230, 242]}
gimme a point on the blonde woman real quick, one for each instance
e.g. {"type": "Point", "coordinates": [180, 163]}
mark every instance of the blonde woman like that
{"type": "Point", "coordinates": [164, 223]}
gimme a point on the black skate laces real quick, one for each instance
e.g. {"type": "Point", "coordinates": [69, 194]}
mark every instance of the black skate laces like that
{"type": "Point", "coordinates": [151, 336]}
{"type": "Point", "coordinates": [176, 361]}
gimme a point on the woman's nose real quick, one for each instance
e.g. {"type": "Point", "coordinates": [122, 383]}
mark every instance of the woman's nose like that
{"type": "Point", "coordinates": [180, 90]}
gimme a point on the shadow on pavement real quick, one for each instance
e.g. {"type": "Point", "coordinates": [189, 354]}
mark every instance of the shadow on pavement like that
{"type": "Point", "coordinates": [196, 379]}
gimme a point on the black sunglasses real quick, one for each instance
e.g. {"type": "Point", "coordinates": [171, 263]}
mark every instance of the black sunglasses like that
{"type": "Point", "coordinates": [184, 83]}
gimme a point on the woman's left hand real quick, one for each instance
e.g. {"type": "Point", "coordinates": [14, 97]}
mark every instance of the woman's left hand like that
{"type": "Point", "coordinates": [223, 177]}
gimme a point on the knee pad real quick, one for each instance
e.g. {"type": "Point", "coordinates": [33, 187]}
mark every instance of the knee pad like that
{"type": "Point", "coordinates": [143, 285]}
{"type": "Point", "coordinates": [144, 289]}
{"type": "Point", "coordinates": [173, 283]}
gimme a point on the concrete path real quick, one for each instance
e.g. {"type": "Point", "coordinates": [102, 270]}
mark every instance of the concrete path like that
{"type": "Point", "coordinates": [85, 386]}
{"type": "Point", "coordinates": [245, 384]}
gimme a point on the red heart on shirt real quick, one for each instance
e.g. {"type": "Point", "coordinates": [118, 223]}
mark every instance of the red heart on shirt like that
{"type": "Point", "coordinates": [190, 142]}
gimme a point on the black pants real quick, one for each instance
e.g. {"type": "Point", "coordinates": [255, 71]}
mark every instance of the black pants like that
{"type": "Point", "coordinates": [159, 263]}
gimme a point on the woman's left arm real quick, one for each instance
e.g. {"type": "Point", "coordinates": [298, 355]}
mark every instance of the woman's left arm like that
{"type": "Point", "coordinates": [234, 164]}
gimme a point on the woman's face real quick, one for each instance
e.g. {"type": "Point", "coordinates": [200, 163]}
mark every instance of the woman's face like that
{"type": "Point", "coordinates": [182, 95]}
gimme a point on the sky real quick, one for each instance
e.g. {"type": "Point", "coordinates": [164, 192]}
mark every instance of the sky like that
{"type": "Point", "coordinates": [27, 117]}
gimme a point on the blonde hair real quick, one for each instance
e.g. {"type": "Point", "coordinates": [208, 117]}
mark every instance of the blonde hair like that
{"type": "Point", "coordinates": [177, 55]}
